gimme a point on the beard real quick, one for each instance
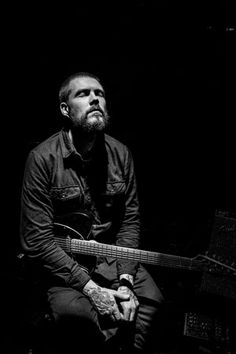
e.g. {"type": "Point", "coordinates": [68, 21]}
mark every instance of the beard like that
{"type": "Point", "coordinates": [91, 122]}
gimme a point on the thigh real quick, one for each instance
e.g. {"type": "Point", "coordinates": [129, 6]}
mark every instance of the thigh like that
{"type": "Point", "coordinates": [146, 287]}
{"type": "Point", "coordinates": [67, 302]}
{"type": "Point", "coordinates": [76, 320]}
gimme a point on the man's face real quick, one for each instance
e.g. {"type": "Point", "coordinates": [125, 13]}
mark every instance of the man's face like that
{"type": "Point", "coordinates": [86, 104]}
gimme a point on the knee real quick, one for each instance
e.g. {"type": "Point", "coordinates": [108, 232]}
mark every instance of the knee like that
{"type": "Point", "coordinates": [157, 296]}
{"type": "Point", "coordinates": [74, 316]}
{"type": "Point", "coordinates": [79, 324]}
{"type": "Point", "coordinates": [84, 315]}
{"type": "Point", "coordinates": [69, 304]}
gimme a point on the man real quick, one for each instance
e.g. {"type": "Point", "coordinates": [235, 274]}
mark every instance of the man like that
{"type": "Point", "coordinates": [82, 171]}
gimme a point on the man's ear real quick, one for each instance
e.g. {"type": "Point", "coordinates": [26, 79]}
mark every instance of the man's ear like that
{"type": "Point", "coordinates": [64, 109]}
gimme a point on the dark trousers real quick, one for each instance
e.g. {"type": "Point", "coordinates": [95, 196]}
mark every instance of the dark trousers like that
{"type": "Point", "coordinates": [82, 330]}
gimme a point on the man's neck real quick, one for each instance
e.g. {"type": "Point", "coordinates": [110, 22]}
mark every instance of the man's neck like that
{"type": "Point", "coordinates": [83, 143]}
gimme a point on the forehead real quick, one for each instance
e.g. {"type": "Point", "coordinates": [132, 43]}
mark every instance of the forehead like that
{"type": "Point", "coordinates": [80, 83]}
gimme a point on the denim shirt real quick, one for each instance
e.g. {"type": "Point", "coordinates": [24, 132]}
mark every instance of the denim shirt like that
{"type": "Point", "coordinates": [58, 181]}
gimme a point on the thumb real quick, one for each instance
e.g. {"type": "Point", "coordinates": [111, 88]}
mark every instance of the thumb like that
{"type": "Point", "coordinates": [121, 295]}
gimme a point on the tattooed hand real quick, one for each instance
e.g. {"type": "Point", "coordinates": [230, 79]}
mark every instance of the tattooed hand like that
{"type": "Point", "coordinates": [104, 300]}
{"type": "Point", "coordinates": [129, 307]}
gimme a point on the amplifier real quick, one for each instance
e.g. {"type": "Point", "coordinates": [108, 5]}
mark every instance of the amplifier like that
{"type": "Point", "coordinates": [206, 328]}
{"type": "Point", "coordinates": [222, 248]}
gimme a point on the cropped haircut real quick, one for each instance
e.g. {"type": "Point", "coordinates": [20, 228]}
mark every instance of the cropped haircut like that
{"type": "Point", "coordinates": [64, 91]}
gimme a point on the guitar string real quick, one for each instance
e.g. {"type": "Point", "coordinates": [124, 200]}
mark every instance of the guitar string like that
{"type": "Point", "coordinates": [86, 247]}
{"type": "Point", "coordinates": [148, 257]}
{"type": "Point", "coordinates": [94, 249]}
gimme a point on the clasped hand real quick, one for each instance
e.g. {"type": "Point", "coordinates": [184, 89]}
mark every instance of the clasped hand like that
{"type": "Point", "coordinates": [129, 306]}
{"type": "Point", "coordinates": [118, 304]}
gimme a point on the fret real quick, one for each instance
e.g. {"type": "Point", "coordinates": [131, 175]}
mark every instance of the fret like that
{"type": "Point", "coordinates": [72, 242]}
{"type": "Point", "coordinates": [147, 257]}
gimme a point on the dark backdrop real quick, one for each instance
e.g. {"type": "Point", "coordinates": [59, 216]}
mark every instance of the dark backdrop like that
{"type": "Point", "coordinates": [169, 71]}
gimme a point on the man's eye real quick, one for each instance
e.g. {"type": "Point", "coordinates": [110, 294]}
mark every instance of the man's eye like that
{"type": "Point", "coordinates": [83, 93]}
{"type": "Point", "coordinates": [100, 93]}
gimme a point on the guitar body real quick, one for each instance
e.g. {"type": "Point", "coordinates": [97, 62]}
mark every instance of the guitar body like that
{"type": "Point", "coordinates": [76, 226]}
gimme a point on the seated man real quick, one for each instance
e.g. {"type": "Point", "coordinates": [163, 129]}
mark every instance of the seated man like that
{"type": "Point", "coordinates": [81, 174]}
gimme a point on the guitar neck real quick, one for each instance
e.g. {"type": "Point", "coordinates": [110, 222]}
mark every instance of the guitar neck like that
{"type": "Point", "coordinates": [146, 257]}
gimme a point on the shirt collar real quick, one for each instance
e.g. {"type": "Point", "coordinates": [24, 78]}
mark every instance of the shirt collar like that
{"type": "Point", "coordinates": [68, 148]}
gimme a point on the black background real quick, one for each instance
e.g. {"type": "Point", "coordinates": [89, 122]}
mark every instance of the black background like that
{"type": "Point", "coordinates": [169, 71]}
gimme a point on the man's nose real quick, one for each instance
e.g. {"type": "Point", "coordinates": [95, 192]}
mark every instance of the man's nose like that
{"type": "Point", "coordinates": [93, 99]}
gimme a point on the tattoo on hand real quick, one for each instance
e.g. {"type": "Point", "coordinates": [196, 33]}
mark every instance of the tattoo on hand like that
{"type": "Point", "coordinates": [102, 300]}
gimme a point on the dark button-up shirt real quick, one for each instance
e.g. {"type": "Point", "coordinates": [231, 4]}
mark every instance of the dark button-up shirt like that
{"type": "Point", "coordinates": [58, 181]}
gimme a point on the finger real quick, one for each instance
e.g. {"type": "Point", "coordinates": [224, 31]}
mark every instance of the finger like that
{"type": "Point", "coordinates": [116, 313]}
{"type": "Point", "coordinates": [126, 314]}
{"type": "Point", "coordinates": [112, 317]}
{"type": "Point", "coordinates": [132, 315]}
{"type": "Point", "coordinates": [136, 302]}
{"type": "Point", "coordinates": [121, 316]}
{"type": "Point", "coordinates": [121, 295]}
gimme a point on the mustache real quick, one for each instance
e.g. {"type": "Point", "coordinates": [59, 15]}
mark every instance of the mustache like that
{"type": "Point", "coordinates": [95, 108]}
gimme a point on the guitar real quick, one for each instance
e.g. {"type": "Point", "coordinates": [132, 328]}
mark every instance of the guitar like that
{"type": "Point", "coordinates": [72, 241]}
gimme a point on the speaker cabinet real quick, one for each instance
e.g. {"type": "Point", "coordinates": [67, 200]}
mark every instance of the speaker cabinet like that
{"type": "Point", "coordinates": [222, 250]}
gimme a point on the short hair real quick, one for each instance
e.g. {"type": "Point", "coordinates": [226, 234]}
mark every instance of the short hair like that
{"type": "Point", "coordinates": [64, 91]}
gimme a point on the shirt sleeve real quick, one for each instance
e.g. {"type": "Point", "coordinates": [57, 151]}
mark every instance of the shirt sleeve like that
{"type": "Point", "coordinates": [37, 229]}
{"type": "Point", "coordinates": [129, 233]}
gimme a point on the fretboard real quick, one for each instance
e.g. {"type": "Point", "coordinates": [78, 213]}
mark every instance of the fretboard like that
{"type": "Point", "coordinates": [142, 256]}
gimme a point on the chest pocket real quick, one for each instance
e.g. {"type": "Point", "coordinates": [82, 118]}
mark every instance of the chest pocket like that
{"type": "Point", "coordinates": [67, 199]}
{"type": "Point", "coordinates": [111, 199]}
